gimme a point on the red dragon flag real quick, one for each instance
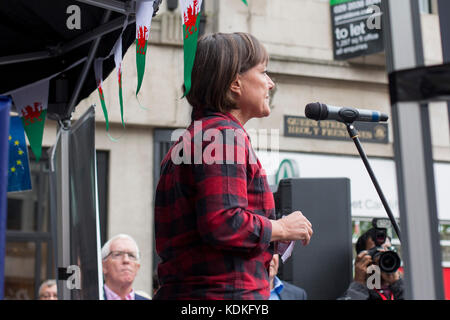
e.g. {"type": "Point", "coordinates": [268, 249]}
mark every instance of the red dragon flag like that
{"type": "Point", "coordinates": [98, 70]}
{"type": "Point", "coordinates": [31, 103]}
{"type": "Point", "coordinates": [190, 15]}
{"type": "Point", "coordinates": [118, 61]}
{"type": "Point", "coordinates": [144, 14]}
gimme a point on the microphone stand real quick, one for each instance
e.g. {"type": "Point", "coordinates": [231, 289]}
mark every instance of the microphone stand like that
{"type": "Point", "coordinates": [354, 136]}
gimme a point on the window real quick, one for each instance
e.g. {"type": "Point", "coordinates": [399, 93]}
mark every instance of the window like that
{"type": "Point", "coordinates": [425, 6]}
{"type": "Point", "coordinates": [361, 225]}
{"type": "Point", "coordinates": [30, 243]}
{"type": "Point", "coordinates": [29, 254]}
{"type": "Point", "coordinates": [444, 230]}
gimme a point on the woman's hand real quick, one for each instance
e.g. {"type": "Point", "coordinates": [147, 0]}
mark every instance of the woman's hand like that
{"type": "Point", "coordinates": [294, 226]}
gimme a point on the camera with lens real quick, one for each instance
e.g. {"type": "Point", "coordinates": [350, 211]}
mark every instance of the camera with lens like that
{"type": "Point", "coordinates": [386, 258]}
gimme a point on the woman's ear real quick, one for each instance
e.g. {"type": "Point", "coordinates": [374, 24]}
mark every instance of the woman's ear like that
{"type": "Point", "coordinates": [236, 86]}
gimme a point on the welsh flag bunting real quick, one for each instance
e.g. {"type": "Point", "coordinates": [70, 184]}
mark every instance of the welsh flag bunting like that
{"type": "Point", "coordinates": [98, 70]}
{"type": "Point", "coordinates": [190, 15]}
{"type": "Point", "coordinates": [118, 62]}
{"type": "Point", "coordinates": [245, 1]}
{"type": "Point", "coordinates": [31, 104]}
{"type": "Point", "coordinates": [144, 14]}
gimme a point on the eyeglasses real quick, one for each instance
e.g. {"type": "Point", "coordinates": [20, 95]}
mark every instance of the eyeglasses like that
{"type": "Point", "coordinates": [48, 295]}
{"type": "Point", "coordinates": [116, 255]}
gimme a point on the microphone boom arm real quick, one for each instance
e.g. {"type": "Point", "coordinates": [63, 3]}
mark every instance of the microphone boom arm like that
{"type": "Point", "coordinates": [353, 133]}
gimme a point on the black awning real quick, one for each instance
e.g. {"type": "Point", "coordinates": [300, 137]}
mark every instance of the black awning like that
{"type": "Point", "coordinates": [31, 28]}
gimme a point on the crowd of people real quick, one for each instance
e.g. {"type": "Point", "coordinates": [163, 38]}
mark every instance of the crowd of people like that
{"type": "Point", "coordinates": [121, 255]}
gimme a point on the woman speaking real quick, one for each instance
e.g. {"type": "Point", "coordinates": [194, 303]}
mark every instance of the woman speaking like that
{"type": "Point", "coordinates": [214, 212]}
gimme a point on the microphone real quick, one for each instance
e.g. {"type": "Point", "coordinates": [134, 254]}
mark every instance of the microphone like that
{"type": "Point", "coordinates": [320, 111]}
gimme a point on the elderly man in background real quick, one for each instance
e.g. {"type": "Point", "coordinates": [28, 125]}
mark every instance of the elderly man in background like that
{"type": "Point", "coordinates": [48, 291]}
{"type": "Point", "coordinates": [120, 257]}
{"type": "Point", "coordinates": [281, 290]}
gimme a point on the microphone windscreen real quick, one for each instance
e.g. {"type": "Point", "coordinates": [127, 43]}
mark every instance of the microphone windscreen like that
{"type": "Point", "coordinates": [316, 111]}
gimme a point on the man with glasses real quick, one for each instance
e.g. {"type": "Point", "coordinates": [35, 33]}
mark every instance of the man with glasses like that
{"type": "Point", "coordinates": [48, 291]}
{"type": "Point", "coordinates": [120, 257]}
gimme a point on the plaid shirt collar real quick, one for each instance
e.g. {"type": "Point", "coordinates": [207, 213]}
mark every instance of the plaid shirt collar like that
{"type": "Point", "coordinates": [111, 295]}
{"type": "Point", "coordinates": [201, 113]}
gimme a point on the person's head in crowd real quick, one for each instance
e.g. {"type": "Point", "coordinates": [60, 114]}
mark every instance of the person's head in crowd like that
{"type": "Point", "coordinates": [48, 290]}
{"type": "Point", "coordinates": [120, 257]}
{"type": "Point", "coordinates": [279, 289]}
{"type": "Point", "coordinates": [273, 268]}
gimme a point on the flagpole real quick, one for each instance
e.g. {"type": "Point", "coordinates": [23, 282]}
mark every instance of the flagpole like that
{"type": "Point", "coordinates": [5, 107]}
{"type": "Point", "coordinates": [63, 211]}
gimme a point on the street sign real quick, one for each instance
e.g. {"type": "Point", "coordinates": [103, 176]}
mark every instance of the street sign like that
{"type": "Point", "coordinates": [356, 28]}
{"type": "Point", "coordinates": [301, 127]}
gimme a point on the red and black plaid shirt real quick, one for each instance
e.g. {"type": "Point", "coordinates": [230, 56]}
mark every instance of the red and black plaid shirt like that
{"type": "Point", "coordinates": [212, 223]}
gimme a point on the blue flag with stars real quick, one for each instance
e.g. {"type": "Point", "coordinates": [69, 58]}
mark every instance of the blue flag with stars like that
{"type": "Point", "coordinates": [19, 178]}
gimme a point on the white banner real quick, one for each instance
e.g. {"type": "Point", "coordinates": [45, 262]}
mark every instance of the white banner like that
{"type": "Point", "coordinates": [31, 100]}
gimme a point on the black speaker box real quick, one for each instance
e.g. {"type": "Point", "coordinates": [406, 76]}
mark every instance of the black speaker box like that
{"type": "Point", "coordinates": [324, 267]}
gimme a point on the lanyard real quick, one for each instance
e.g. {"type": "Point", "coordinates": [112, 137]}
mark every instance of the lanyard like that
{"type": "Point", "coordinates": [383, 296]}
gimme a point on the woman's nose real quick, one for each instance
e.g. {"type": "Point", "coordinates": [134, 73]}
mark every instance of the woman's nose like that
{"type": "Point", "coordinates": [271, 83]}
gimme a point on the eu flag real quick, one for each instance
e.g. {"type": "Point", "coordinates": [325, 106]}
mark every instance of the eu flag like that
{"type": "Point", "coordinates": [19, 178]}
{"type": "Point", "coordinates": [5, 106]}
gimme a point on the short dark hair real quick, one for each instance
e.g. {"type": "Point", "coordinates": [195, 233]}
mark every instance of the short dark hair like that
{"type": "Point", "coordinates": [219, 59]}
{"type": "Point", "coordinates": [362, 240]}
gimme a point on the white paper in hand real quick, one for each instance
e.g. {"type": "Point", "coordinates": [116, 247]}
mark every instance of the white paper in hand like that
{"type": "Point", "coordinates": [285, 250]}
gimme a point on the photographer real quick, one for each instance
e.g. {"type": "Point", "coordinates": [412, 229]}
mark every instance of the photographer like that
{"type": "Point", "coordinates": [369, 248]}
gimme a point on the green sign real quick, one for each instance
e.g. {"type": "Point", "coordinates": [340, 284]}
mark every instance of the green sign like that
{"type": "Point", "coordinates": [288, 169]}
{"type": "Point", "coordinates": [334, 2]}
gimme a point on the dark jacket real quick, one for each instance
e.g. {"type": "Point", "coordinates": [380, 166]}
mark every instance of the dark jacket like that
{"type": "Point", "coordinates": [358, 291]}
{"type": "Point", "coordinates": [291, 292]}
{"type": "Point", "coordinates": [138, 297]}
